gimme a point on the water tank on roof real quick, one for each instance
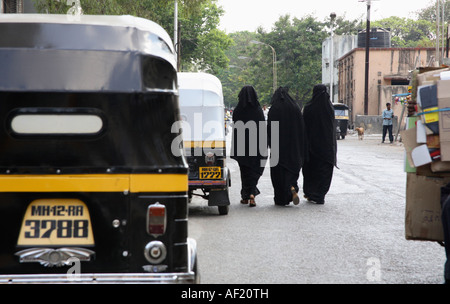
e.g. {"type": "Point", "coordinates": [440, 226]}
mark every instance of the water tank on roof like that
{"type": "Point", "coordinates": [379, 38]}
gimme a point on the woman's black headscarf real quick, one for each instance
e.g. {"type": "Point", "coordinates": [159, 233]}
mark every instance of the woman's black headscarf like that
{"type": "Point", "coordinates": [292, 137]}
{"type": "Point", "coordinates": [320, 125]}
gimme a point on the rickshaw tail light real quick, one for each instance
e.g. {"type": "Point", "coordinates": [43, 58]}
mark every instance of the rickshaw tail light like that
{"type": "Point", "coordinates": [210, 158]}
{"type": "Point", "coordinates": [156, 219]}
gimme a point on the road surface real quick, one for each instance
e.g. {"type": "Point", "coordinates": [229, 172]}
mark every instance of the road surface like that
{"type": "Point", "coordinates": [356, 237]}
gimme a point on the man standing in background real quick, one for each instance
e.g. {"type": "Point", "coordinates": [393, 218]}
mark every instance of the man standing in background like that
{"type": "Point", "coordinates": [388, 116]}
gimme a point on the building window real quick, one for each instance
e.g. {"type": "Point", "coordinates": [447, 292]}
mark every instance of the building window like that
{"type": "Point", "coordinates": [399, 82]}
{"type": "Point", "coordinates": [12, 6]}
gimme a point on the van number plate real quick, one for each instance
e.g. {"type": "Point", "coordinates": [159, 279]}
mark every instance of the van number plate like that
{"type": "Point", "coordinates": [210, 172]}
{"type": "Point", "coordinates": [56, 222]}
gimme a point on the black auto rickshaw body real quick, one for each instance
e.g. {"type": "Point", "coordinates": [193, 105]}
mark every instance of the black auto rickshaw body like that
{"type": "Point", "coordinates": [341, 119]}
{"type": "Point", "coordinates": [202, 114]}
{"type": "Point", "coordinates": [90, 190]}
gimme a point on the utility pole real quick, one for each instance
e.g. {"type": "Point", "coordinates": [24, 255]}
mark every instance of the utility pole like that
{"type": "Point", "coordinates": [332, 17]}
{"type": "Point", "coordinates": [438, 37]}
{"type": "Point", "coordinates": [175, 35]}
{"type": "Point", "coordinates": [366, 82]}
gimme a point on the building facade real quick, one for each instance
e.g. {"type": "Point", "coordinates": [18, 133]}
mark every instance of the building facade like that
{"type": "Point", "coordinates": [330, 54]}
{"type": "Point", "coordinates": [389, 74]}
{"type": "Point", "coordinates": [17, 6]}
{"type": "Point", "coordinates": [11, 6]}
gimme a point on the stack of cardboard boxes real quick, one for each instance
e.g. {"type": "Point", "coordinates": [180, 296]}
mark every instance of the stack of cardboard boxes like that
{"type": "Point", "coordinates": [427, 144]}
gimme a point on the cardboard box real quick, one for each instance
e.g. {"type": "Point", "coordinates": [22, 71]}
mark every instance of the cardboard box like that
{"type": "Point", "coordinates": [432, 169]}
{"type": "Point", "coordinates": [410, 124]}
{"type": "Point", "coordinates": [416, 154]}
{"type": "Point", "coordinates": [423, 208]}
{"type": "Point", "coordinates": [428, 102]}
{"type": "Point", "coordinates": [443, 95]}
{"type": "Point", "coordinates": [430, 76]}
{"type": "Point", "coordinates": [440, 167]}
{"type": "Point", "coordinates": [433, 141]}
{"type": "Point", "coordinates": [409, 143]}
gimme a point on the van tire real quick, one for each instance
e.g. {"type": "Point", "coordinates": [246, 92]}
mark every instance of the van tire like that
{"type": "Point", "coordinates": [223, 210]}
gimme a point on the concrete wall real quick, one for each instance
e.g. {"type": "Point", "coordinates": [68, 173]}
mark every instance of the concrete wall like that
{"type": "Point", "coordinates": [373, 124]}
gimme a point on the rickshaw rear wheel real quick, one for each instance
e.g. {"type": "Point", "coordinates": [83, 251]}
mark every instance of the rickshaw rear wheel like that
{"type": "Point", "coordinates": [223, 210]}
{"type": "Point", "coordinates": [196, 271]}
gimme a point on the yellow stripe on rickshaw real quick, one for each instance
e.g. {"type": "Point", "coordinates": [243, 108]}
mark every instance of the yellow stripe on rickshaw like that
{"type": "Point", "coordinates": [133, 183]}
{"type": "Point", "coordinates": [204, 144]}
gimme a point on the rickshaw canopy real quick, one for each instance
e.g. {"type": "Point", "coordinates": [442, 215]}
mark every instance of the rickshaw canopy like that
{"type": "Point", "coordinates": [118, 54]}
{"type": "Point", "coordinates": [201, 107]}
{"type": "Point", "coordinates": [112, 70]}
{"type": "Point", "coordinates": [200, 89]}
{"type": "Point", "coordinates": [338, 105]}
{"type": "Point", "coordinates": [341, 111]}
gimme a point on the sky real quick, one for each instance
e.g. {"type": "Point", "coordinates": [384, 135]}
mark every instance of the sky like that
{"type": "Point", "coordinates": [248, 15]}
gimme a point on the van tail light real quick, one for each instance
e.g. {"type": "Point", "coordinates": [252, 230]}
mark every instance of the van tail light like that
{"type": "Point", "coordinates": [156, 219]}
{"type": "Point", "coordinates": [210, 159]}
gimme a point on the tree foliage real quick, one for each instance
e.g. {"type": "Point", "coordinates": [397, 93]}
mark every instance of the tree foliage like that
{"type": "Point", "coordinates": [429, 12]}
{"type": "Point", "coordinates": [202, 43]}
{"type": "Point", "coordinates": [237, 60]}
{"type": "Point", "coordinates": [407, 32]}
{"type": "Point", "coordinates": [298, 43]}
{"type": "Point", "coordinates": [298, 47]}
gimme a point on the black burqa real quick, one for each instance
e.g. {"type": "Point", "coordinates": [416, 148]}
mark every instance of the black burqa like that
{"type": "Point", "coordinates": [288, 148]}
{"type": "Point", "coordinates": [321, 133]}
{"type": "Point", "coordinates": [248, 123]}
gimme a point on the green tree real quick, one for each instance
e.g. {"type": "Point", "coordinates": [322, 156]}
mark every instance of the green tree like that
{"type": "Point", "coordinates": [202, 42]}
{"type": "Point", "coordinates": [343, 26]}
{"type": "Point", "coordinates": [203, 45]}
{"type": "Point", "coordinates": [298, 43]}
{"type": "Point", "coordinates": [429, 12]}
{"type": "Point", "coordinates": [238, 73]}
{"type": "Point", "coordinates": [407, 32]}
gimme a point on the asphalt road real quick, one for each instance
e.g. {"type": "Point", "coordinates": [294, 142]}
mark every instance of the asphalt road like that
{"type": "Point", "coordinates": [356, 237]}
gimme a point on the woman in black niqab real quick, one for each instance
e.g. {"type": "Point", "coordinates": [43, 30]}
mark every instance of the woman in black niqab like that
{"type": "Point", "coordinates": [285, 169]}
{"type": "Point", "coordinates": [248, 112]}
{"type": "Point", "coordinates": [321, 131]}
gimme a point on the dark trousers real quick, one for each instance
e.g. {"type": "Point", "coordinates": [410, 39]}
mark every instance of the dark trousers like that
{"type": "Point", "coordinates": [388, 128]}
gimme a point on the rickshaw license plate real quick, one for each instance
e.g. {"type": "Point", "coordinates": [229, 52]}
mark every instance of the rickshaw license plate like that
{"type": "Point", "coordinates": [210, 172]}
{"type": "Point", "coordinates": [56, 222]}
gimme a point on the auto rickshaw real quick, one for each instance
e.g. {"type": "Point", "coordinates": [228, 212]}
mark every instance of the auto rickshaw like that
{"type": "Point", "coordinates": [202, 114]}
{"type": "Point", "coordinates": [90, 188]}
{"type": "Point", "coordinates": [341, 119]}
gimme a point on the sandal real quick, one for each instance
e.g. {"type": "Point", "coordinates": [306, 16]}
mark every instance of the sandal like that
{"type": "Point", "coordinates": [244, 202]}
{"type": "Point", "coordinates": [295, 198]}
{"type": "Point", "coordinates": [251, 201]}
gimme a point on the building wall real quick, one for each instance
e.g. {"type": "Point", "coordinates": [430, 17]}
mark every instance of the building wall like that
{"type": "Point", "coordinates": [12, 6]}
{"type": "Point", "coordinates": [341, 45]}
{"type": "Point", "coordinates": [17, 6]}
{"type": "Point", "coordinates": [28, 7]}
{"type": "Point", "coordinates": [389, 73]}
